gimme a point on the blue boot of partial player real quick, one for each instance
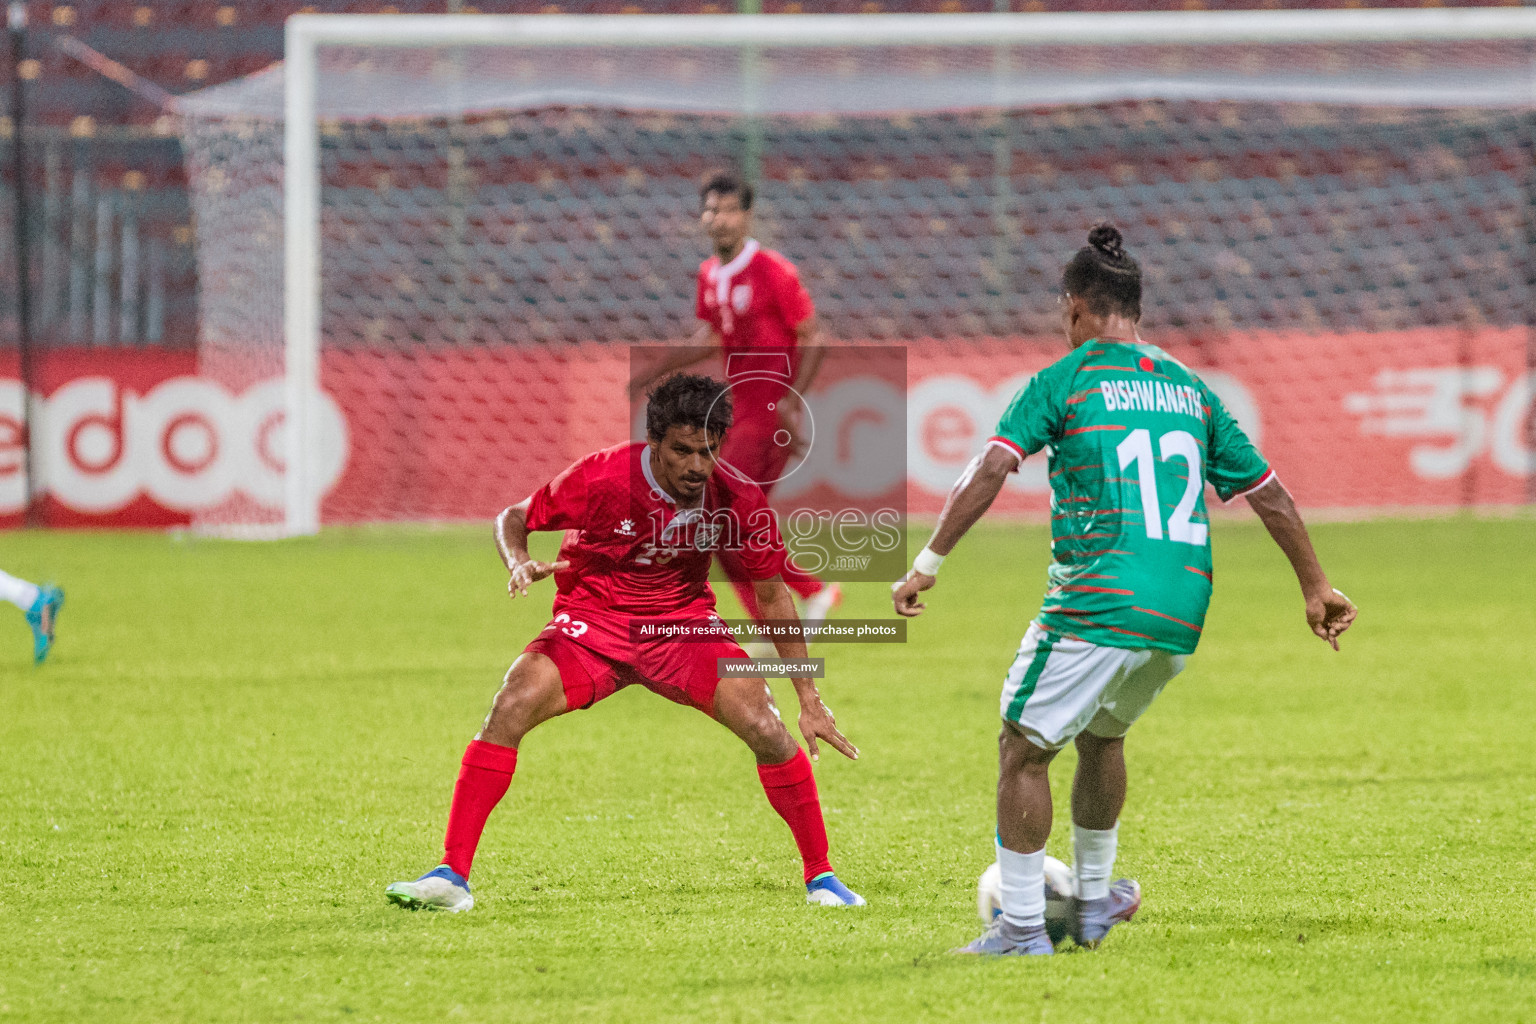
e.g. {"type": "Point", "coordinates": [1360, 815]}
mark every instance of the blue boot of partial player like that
{"type": "Point", "coordinates": [442, 888]}
{"type": "Point", "coordinates": [42, 616]}
{"type": "Point", "coordinates": [1004, 939]}
{"type": "Point", "coordinates": [825, 890]}
{"type": "Point", "coordinates": [1092, 919]}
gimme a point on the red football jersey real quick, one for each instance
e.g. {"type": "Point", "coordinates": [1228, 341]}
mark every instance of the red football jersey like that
{"type": "Point", "coordinates": [635, 555]}
{"type": "Point", "coordinates": [755, 302]}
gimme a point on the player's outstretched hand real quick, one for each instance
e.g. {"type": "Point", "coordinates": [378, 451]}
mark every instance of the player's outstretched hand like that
{"type": "Point", "coordinates": [1330, 614]}
{"type": "Point", "coordinates": [816, 722]}
{"type": "Point", "coordinates": [905, 590]}
{"type": "Point", "coordinates": [525, 574]}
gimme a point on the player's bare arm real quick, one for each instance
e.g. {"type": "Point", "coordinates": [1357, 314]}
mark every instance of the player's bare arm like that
{"type": "Point", "coordinates": [811, 343]}
{"type": "Point", "coordinates": [816, 721]}
{"type": "Point", "coordinates": [809, 338]}
{"type": "Point", "coordinates": [1329, 612]}
{"type": "Point", "coordinates": [968, 501]}
{"type": "Point", "coordinates": [704, 343]}
{"type": "Point", "coordinates": [512, 544]}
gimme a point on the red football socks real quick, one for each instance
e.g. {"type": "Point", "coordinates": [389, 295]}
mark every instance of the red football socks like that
{"type": "Point", "coordinates": [486, 772]}
{"type": "Point", "coordinates": [484, 775]}
{"type": "Point", "coordinates": [802, 583]}
{"type": "Point", "coordinates": [791, 789]}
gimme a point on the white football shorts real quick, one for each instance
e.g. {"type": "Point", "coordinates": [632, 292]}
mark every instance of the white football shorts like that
{"type": "Point", "coordinates": [1057, 687]}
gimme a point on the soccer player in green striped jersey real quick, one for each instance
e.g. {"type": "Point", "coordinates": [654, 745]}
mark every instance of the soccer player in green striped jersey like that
{"type": "Point", "coordinates": [1134, 438]}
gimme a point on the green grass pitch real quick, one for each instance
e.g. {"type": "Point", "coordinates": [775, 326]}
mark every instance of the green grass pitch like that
{"type": "Point", "coordinates": [237, 746]}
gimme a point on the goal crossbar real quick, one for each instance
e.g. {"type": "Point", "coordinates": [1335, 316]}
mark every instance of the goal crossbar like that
{"type": "Point", "coordinates": [1183, 28]}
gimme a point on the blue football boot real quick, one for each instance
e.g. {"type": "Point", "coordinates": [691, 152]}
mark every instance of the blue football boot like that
{"type": "Point", "coordinates": [42, 616]}
{"type": "Point", "coordinates": [1092, 919]}
{"type": "Point", "coordinates": [825, 890]}
{"type": "Point", "coordinates": [1005, 939]}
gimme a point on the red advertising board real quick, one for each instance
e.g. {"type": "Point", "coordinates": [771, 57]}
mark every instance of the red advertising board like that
{"type": "Point", "coordinates": [1419, 419]}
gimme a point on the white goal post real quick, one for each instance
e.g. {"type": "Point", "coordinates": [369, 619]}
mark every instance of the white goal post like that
{"type": "Point", "coordinates": [308, 34]}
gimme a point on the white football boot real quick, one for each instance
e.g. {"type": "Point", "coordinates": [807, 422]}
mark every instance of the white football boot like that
{"type": "Point", "coordinates": [442, 888]}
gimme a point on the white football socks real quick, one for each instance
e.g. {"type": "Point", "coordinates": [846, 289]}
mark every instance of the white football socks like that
{"type": "Point", "coordinates": [1023, 886]}
{"type": "Point", "coordinates": [19, 592]}
{"type": "Point", "coordinates": [1093, 860]}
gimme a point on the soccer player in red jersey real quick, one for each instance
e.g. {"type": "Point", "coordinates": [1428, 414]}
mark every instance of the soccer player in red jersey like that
{"type": "Point", "coordinates": [641, 523]}
{"type": "Point", "coordinates": [758, 315]}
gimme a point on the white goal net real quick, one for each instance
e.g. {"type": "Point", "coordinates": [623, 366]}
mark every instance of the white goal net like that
{"type": "Point", "coordinates": [482, 213]}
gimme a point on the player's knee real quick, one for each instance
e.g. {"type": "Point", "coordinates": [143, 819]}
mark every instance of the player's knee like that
{"type": "Point", "coordinates": [1094, 747]}
{"type": "Point", "coordinates": [766, 736]}
{"type": "Point", "coordinates": [1016, 753]}
{"type": "Point", "coordinates": [528, 695]}
{"type": "Point", "coordinates": [511, 704]}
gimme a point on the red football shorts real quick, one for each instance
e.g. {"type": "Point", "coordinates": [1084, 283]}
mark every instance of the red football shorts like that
{"type": "Point", "coordinates": [684, 673]}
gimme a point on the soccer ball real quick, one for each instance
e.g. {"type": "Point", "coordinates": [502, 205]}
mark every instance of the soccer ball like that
{"type": "Point", "coordinates": [1059, 890]}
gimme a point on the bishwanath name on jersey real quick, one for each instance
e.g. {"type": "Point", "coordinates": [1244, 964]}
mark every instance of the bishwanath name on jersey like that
{"type": "Point", "coordinates": [1152, 396]}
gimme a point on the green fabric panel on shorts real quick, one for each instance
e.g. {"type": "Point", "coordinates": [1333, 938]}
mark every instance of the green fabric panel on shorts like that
{"type": "Point", "coordinates": [1031, 677]}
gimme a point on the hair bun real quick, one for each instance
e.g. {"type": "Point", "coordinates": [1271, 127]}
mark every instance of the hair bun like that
{"type": "Point", "coordinates": [1107, 239]}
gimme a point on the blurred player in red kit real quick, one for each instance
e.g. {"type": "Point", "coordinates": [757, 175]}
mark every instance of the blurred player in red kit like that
{"type": "Point", "coordinates": [641, 523]}
{"type": "Point", "coordinates": [758, 315]}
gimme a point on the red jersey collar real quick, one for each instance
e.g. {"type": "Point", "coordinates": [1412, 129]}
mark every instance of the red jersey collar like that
{"type": "Point", "coordinates": [657, 490]}
{"type": "Point", "coordinates": [725, 272]}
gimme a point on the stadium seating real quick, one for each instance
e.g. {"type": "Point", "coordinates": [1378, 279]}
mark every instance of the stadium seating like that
{"type": "Point", "coordinates": [887, 236]}
{"type": "Point", "coordinates": [1323, 226]}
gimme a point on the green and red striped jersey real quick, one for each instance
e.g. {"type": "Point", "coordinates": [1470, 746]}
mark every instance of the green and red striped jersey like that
{"type": "Point", "coordinates": [1135, 436]}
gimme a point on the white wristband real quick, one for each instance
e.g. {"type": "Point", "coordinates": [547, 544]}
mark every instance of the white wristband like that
{"type": "Point", "coordinates": [927, 562]}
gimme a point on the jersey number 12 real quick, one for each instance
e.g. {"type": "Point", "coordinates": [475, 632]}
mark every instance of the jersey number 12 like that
{"type": "Point", "coordinates": [1181, 444]}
